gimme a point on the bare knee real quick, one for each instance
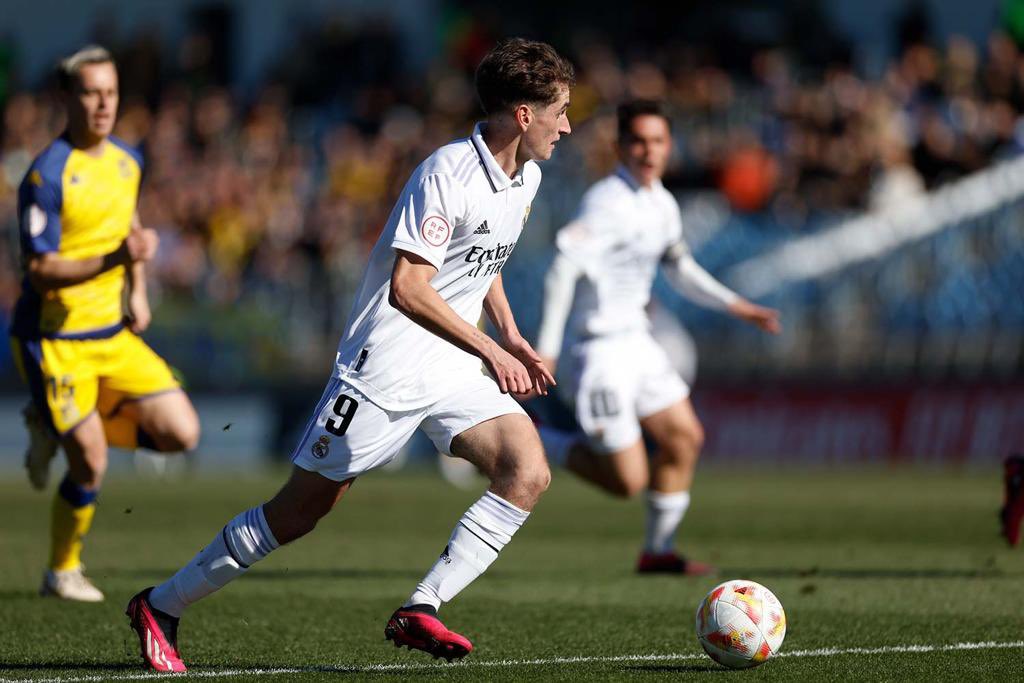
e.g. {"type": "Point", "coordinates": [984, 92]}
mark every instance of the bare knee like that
{"type": "Point", "coordinates": [182, 436]}
{"type": "Point", "coordinates": [693, 437]}
{"type": "Point", "coordinates": [683, 443]}
{"type": "Point", "coordinates": [538, 478]}
{"type": "Point", "coordinates": [521, 479]}
{"type": "Point", "coordinates": [532, 477]}
{"type": "Point", "coordinates": [86, 450]}
{"type": "Point", "coordinates": [169, 421]}
{"type": "Point", "coordinates": [627, 485]}
{"type": "Point", "coordinates": [89, 474]}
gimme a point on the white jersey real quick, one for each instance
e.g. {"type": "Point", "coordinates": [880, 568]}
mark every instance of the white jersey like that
{"type": "Point", "coordinates": [464, 215]}
{"type": "Point", "coordinates": [617, 238]}
{"type": "Point", "coordinates": [610, 252]}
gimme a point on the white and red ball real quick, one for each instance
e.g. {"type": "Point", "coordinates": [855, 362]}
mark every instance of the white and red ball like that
{"type": "Point", "coordinates": [741, 624]}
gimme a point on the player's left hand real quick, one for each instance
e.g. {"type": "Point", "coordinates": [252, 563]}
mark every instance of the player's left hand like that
{"type": "Point", "coordinates": [539, 373]}
{"type": "Point", "coordinates": [765, 319]}
{"type": "Point", "coordinates": [139, 316]}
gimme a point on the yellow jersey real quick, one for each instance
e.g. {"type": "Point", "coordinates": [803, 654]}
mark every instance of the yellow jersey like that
{"type": "Point", "coordinates": [79, 206]}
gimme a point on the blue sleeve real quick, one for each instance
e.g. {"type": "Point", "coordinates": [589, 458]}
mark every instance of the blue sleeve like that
{"type": "Point", "coordinates": [134, 152]}
{"type": "Point", "coordinates": [39, 209]}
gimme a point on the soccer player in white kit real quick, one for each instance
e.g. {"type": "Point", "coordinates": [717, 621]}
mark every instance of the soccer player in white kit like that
{"type": "Point", "coordinates": [410, 358]}
{"type": "Point", "coordinates": [623, 383]}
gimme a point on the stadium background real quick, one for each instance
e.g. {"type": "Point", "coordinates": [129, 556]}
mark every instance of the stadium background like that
{"type": "Point", "coordinates": [857, 169]}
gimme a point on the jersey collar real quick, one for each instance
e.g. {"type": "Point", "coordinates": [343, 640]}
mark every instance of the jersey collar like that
{"type": "Point", "coordinates": [497, 177]}
{"type": "Point", "coordinates": [634, 185]}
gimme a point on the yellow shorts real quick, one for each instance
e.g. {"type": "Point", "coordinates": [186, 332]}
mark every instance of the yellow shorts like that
{"type": "Point", "coordinates": [70, 378]}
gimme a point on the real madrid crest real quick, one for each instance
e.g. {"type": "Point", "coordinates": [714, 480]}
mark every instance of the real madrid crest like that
{"type": "Point", "coordinates": [322, 447]}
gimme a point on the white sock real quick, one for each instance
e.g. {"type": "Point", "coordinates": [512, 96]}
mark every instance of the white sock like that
{"type": "Point", "coordinates": [557, 443]}
{"type": "Point", "coordinates": [479, 536]}
{"type": "Point", "coordinates": [245, 540]}
{"type": "Point", "coordinates": [664, 513]}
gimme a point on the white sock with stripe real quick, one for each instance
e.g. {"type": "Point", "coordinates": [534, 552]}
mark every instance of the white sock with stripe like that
{"type": "Point", "coordinates": [664, 514]}
{"type": "Point", "coordinates": [479, 536]}
{"type": "Point", "coordinates": [245, 540]}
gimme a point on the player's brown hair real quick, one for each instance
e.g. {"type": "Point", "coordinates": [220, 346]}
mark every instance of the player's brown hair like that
{"type": "Point", "coordinates": [633, 109]}
{"type": "Point", "coordinates": [519, 71]}
{"type": "Point", "coordinates": [68, 68]}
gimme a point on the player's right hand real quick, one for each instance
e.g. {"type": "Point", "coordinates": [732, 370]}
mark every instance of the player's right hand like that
{"type": "Point", "coordinates": [141, 244]}
{"type": "Point", "coordinates": [508, 371]}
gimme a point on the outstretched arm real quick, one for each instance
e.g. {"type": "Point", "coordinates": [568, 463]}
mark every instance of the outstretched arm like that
{"type": "Point", "coordinates": [414, 296]}
{"type": "Point", "coordinates": [698, 285]}
{"type": "Point", "coordinates": [559, 286]}
{"type": "Point", "coordinates": [500, 314]}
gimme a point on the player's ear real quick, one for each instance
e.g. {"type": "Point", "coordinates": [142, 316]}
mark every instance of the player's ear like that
{"type": "Point", "coordinates": [523, 115]}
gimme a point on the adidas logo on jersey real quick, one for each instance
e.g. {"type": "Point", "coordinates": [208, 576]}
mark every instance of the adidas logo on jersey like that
{"type": "Point", "coordinates": [482, 230]}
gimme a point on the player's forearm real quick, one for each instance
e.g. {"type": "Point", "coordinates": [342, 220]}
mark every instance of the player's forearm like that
{"type": "Point", "coordinates": [421, 303]}
{"type": "Point", "coordinates": [698, 285]}
{"type": "Point", "coordinates": [499, 312]}
{"type": "Point", "coordinates": [50, 271]}
{"type": "Point", "coordinates": [137, 278]}
{"type": "Point", "coordinates": [559, 286]}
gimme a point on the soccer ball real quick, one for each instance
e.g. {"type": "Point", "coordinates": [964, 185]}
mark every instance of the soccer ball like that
{"type": "Point", "coordinates": [740, 624]}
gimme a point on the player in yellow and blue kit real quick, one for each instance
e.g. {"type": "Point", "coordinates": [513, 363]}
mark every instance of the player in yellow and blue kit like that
{"type": "Point", "coordinates": [93, 381]}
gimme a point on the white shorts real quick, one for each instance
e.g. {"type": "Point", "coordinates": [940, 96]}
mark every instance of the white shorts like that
{"type": "Point", "coordinates": [617, 381]}
{"type": "Point", "coordinates": [349, 434]}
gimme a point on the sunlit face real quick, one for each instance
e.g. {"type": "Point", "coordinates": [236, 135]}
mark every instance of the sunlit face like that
{"type": "Point", "coordinates": [92, 103]}
{"type": "Point", "coordinates": [547, 124]}
{"type": "Point", "coordinates": [645, 150]}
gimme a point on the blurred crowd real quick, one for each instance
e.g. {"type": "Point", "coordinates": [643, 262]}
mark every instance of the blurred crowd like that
{"type": "Point", "coordinates": [270, 199]}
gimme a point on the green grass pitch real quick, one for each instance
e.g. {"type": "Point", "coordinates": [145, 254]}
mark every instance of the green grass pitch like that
{"type": "Point", "coordinates": [859, 560]}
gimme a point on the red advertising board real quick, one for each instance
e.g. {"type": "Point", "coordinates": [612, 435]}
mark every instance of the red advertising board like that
{"type": "Point", "coordinates": [973, 425]}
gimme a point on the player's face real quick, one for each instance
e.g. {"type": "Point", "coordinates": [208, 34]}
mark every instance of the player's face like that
{"type": "Point", "coordinates": [550, 122]}
{"type": "Point", "coordinates": [645, 151]}
{"type": "Point", "coordinates": [92, 106]}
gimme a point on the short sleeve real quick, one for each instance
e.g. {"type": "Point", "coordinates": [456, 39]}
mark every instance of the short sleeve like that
{"type": "Point", "coordinates": [39, 209]}
{"type": "Point", "coordinates": [134, 152]}
{"type": "Point", "coordinates": [428, 213]}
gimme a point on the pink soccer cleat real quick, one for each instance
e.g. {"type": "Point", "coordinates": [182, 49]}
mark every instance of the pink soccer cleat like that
{"type": "Point", "coordinates": [418, 628]}
{"type": "Point", "coordinates": [158, 634]}
{"type": "Point", "coordinates": [672, 563]}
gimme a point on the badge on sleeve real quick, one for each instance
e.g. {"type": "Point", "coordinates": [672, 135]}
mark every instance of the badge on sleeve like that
{"type": "Point", "coordinates": [36, 219]}
{"type": "Point", "coordinates": [435, 230]}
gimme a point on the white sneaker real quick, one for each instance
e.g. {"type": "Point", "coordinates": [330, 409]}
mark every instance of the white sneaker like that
{"type": "Point", "coordinates": [71, 584]}
{"type": "Point", "coordinates": [42, 446]}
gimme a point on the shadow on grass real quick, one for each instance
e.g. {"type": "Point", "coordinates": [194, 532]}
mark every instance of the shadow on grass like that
{"type": "Point", "coordinates": [26, 594]}
{"type": "Point", "coordinates": [69, 666]}
{"type": "Point", "coordinates": [867, 573]}
{"type": "Point", "coordinates": [677, 668]}
{"type": "Point", "coordinates": [260, 574]}
{"type": "Point", "coordinates": [66, 667]}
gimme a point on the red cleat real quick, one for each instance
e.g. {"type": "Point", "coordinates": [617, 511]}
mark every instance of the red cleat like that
{"type": "Point", "coordinates": [418, 628]}
{"type": "Point", "coordinates": [158, 634]}
{"type": "Point", "coordinates": [1013, 504]}
{"type": "Point", "coordinates": [672, 563]}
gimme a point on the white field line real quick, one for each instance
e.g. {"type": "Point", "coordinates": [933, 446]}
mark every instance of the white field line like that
{"type": "Point", "coordinates": [511, 663]}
